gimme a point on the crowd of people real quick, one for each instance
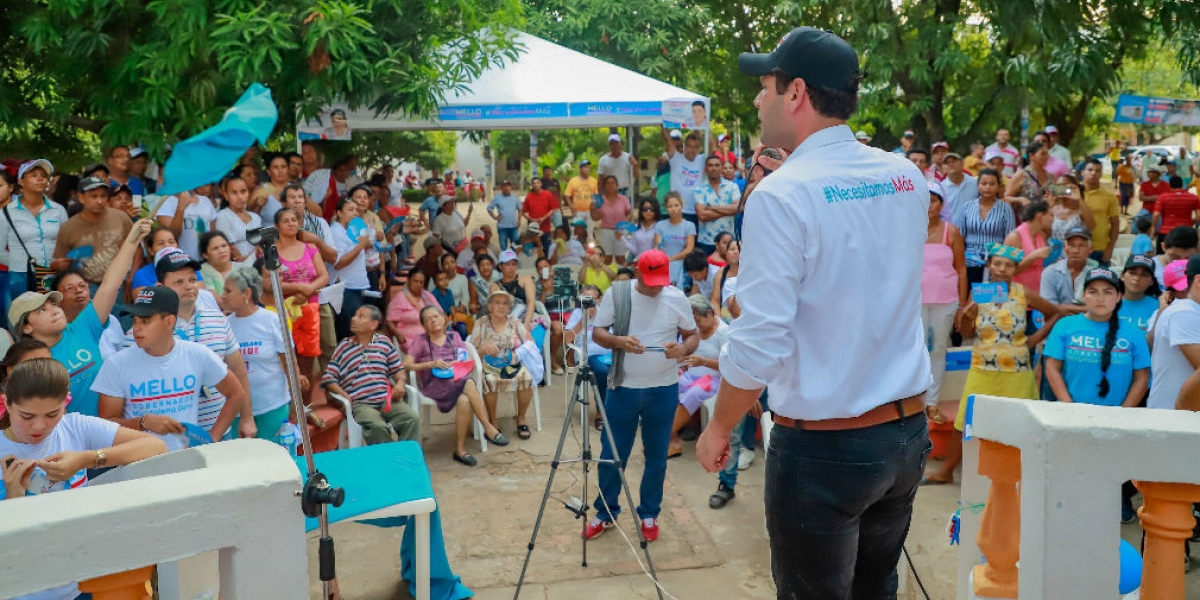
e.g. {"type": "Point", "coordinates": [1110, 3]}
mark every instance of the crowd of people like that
{"type": "Point", "coordinates": [163, 327]}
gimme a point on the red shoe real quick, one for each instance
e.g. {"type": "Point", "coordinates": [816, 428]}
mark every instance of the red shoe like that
{"type": "Point", "coordinates": [597, 527]}
{"type": "Point", "coordinates": [650, 529]}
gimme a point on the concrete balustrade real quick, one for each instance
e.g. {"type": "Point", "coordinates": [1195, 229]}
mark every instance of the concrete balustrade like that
{"type": "Point", "coordinates": [235, 498]}
{"type": "Point", "coordinates": [1166, 516]}
{"type": "Point", "coordinates": [1073, 459]}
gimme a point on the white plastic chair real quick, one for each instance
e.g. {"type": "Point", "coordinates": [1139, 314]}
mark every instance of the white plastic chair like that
{"type": "Point", "coordinates": [512, 385]}
{"type": "Point", "coordinates": [350, 434]}
{"type": "Point", "coordinates": [423, 405]}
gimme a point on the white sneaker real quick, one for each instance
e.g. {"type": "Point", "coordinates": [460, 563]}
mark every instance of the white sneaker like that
{"type": "Point", "coordinates": [745, 458]}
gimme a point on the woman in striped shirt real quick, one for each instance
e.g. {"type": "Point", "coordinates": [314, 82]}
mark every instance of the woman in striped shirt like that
{"type": "Point", "coordinates": [982, 221]}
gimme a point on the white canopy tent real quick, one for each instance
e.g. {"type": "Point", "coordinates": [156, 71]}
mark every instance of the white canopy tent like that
{"type": "Point", "coordinates": [547, 87]}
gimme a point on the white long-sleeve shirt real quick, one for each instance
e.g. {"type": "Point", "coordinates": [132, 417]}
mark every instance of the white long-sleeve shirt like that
{"type": "Point", "coordinates": [39, 233]}
{"type": "Point", "coordinates": [830, 282]}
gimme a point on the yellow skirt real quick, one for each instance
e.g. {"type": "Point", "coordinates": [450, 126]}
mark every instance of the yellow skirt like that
{"type": "Point", "coordinates": [995, 383]}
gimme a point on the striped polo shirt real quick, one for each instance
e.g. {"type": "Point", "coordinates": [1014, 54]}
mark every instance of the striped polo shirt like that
{"type": "Point", "coordinates": [363, 371]}
{"type": "Point", "coordinates": [978, 233]}
{"type": "Point", "coordinates": [210, 329]}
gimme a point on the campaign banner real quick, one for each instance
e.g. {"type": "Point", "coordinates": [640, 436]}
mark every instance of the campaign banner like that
{"type": "Point", "coordinates": [503, 111]}
{"type": "Point", "coordinates": [1147, 110]}
{"type": "Point", "coordinates": [615, 109]}
{"type": "Point", "coordinates": [685, 113]}
{"type": "Point", "coordinates": [331, 124]}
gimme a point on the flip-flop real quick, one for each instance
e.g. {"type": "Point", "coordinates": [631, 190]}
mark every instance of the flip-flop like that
{"type": "Point", "coordinates": [465, 459]}
{"type": "Point", "coordinates": [928, 481]}
{"type": "Point", "coordinates": [523, 432]}
{"type": "Point", "coordinates": [675, 454]}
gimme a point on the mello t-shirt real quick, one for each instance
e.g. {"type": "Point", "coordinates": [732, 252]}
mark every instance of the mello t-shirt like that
{"type": "Point", "coordinates": [261, 342]}
{"type": "Point", "coordinates": [685, 178]}
{"type": "Point", "coordinates": [1079, 342]}
{"type": "Point", "coordinates": [74, 433]}
{"type": "Point", "coordinates": [1139, 312]}
{"type": "Point", "coordinates": [79, 351]}
{"type": "Point", "coordinates": [167, 385]}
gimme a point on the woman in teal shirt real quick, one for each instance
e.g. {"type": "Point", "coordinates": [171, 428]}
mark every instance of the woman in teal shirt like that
{"type": "Point", "coordinates": [1097, 357]}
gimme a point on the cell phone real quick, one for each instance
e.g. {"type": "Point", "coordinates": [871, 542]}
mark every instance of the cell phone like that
{"type": "Point", "coordinates": [1060, 190]}
{"type": "Point", "coordinates": [8, 463]}
{"type": "Point", "coordinates": [655, 349]}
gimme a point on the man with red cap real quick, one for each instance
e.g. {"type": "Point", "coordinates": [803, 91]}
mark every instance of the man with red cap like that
{"type": "Point", "coordinates": [644, 318]}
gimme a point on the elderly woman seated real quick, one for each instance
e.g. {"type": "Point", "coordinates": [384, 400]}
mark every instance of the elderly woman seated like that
{"type": "Point", "coordinates": [432, 355]}
{"type": "Point", "coordinates": [699, 382]}
{"type": "Point", "coordinates": [497, 335]}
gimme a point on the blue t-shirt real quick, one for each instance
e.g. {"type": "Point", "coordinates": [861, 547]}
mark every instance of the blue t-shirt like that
{"type": "Point", "coordinates": [79, 350]}
{"type": "Point", "coordinates": [674, 240]}
{"type": "Point", "coordinates": [1079, 342]}
{"type": "Point", "coordinates": [430, 206]}
{"type": "Point", "coordinates": [1141, 245]}
{"type": "Point", "coordinates": [136, 187]}
{"type": "Point", "coordinates": [509, 206]}
{"type": "Point", "coordinates": [1138, 312]}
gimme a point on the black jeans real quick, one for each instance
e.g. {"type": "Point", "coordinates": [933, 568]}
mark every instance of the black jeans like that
{"type": "Point", "coordinates": [839, 505]}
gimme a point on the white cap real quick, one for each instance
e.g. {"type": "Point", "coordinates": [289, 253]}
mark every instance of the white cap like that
{"type": "Point", "coordinates": [506, 256]}
{"type": "Point", "coordinates": [1051, 129]}
{"type": "Point", "coordinates": [862, 135]}
{"type": "Point", "coordinates": [612, 137]}
{"type": "Point", "coordinates": [676, 135]}
{"type": "Point", "coordinates": [136, 151]}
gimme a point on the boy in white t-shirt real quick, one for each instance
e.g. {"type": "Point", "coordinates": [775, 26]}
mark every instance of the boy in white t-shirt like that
{"type": "Point", "coordinates": [45, 449]}
{"type": "Point", "coordinates": [156, 386]}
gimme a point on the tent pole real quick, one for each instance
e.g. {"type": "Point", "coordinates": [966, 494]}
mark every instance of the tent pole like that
{"type": "Point", "coordinates": [533, 155]}
{"type": "Point", "coordinates": [633, 192]}
{"type": "Point", "coordinates": [489, 162]}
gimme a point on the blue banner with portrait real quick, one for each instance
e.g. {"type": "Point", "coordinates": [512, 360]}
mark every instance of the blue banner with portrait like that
{"type": "Point", "coordinates": [1148, 110]}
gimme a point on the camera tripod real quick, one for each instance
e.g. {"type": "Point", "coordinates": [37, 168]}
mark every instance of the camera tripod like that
{"type": "Point", "coordinates": [584, 393]}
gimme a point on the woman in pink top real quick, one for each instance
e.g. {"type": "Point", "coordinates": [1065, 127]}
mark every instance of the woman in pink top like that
{"type": "Point", "coordinates": [404, 310]}
{"type": "Point", "coordinates": [613, 210]}
{"type": "Point", "coordinates": [1032, 237]}
{"type": "Point", "coordinates": [943, 292]}
{"type": "Point", "coordinates": [302, 273]}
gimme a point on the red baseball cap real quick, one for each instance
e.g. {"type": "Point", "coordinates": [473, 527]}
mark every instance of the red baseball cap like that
{"type": "Point", "coordinates": [655, 267]}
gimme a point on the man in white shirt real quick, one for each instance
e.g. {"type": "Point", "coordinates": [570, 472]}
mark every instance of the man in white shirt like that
{"type": "Point", "coordinates": [958, 185]}
{"type": "Point", "coordinates": [687, 171]}
{"type": "Point", "coordinates": [620, 164]}
{"type": "Point", "coordinates": [1012, 156]}
{"type": "Point", "coordinates": [1057, 150]}
{"type": "Point", "coordinates": [643, 384]}
{"type": "Point", "coordinates": [836, 529]}
{"type": "Point", "coordinates": [155, 386]}
{"type": "Point", "coordinates": [1175, 347]}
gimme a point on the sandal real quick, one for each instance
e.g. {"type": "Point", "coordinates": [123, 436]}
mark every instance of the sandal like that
{"type": "Point", "coordinates": [465, 459]}
{"type": "Point", "coordinates": [674, 453]}
{"type": "Point", "coordinates": [598, 423]}
{"type": "Point", "coordinates": [523, 432]}
{"type": "Point", "coordinates": [935, 415]}
{"type": "Point", "coordinates": [315, 420]}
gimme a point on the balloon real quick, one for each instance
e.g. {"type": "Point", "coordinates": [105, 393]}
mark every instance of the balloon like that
{"type": "Point", "coordinates": [1131, 568]}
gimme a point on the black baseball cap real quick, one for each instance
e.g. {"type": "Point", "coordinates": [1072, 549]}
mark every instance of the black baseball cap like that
{"type": "Point", "coordinates": [153, 300]}
{"type": "Point", "coordinates": [820, 58]}
{"type": "Point", "coordinates": [88, 184]}
{"type": "Point", "coordinates": [1140, 260]}
{"type": "Point", "coordinates": [173, 260]}
{"type": "Point", "coordinates": [1103, 275]}
{"type": "Point", "coordinates": [1082, 232]}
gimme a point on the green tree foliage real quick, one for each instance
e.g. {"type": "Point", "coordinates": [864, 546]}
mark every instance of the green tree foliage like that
{"type": "Point", "coordinates": [156, 70]}
{"type": "Point", "coordinates": [432, 150]}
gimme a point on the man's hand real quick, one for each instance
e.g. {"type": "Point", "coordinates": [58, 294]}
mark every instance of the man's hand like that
{"type": "Point", "coordinates": [139, 230]}
{"type": "Point", "coordinates": [712, 449]}
{"type": "Point", "coordinates": [162, 425]}
{"type": "Point", "coordinates": [630, 344]}
{"type": "Point", "coordinates": [63, 465]}
{"type": "Point", "coordinates": [674, 351]}
{"type": "Point", "coordinates": [247, 428]}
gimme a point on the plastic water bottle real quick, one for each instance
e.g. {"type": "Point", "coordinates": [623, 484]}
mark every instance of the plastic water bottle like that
{"type": "Point", "coordinates": [288, 438]}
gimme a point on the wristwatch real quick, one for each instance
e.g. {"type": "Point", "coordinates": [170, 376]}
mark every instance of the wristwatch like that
{"type": "Point", "coordinates": [101, 459]}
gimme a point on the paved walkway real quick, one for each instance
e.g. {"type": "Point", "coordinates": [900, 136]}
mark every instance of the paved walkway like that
{"type": "Point", "coordinates": [488, 514]}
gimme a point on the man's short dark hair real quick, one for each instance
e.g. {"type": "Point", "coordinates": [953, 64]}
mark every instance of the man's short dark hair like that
{"type": "Point", "coordinates": [696, 261]}
{"type": "Point", "coordinates": [1094, 161]}
{"type": "Point", "coordinates": [699, 103]}
{"type": "Point", "coordinates": [694, 135]}
{"type": "Point", "coordinates": [1176, 182]}
{"type": "Point", "coordinates": [836, 104]}
{"type": "Point", "coordinates": [921, 151]}
{"type": "Point", "coordinates": [1181, 237]}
